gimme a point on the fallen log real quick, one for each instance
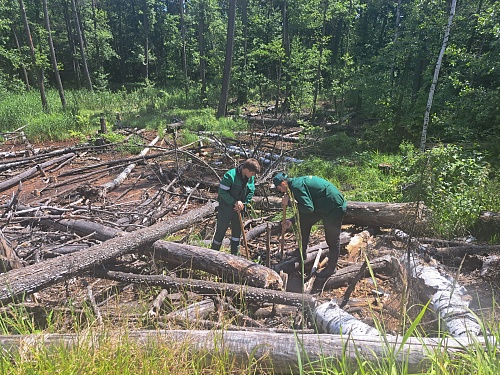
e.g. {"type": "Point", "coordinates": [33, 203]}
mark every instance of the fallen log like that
{"type": "Point", "coordinates": [449, 300]}
{"type": "Point", "coordinates": [7, 184]}
{"type": "Point", "coordinates": [450, 253]}
{"type": "Point", "coordinates": [190, 314]}
{"type": "Point", "coordinates": [284, 353]}
{"type": "Point", "coordinates": [386, 265]}
{"type": "Point", "coordinates": [372, 214]}
{"type": "Point", "coordinates": [487, 225]}
{"type": "Point", "coordinates": [229, 267]}
{"type": "Point", "coordinates": [108, 186]}
{"type": "Point", "coordinates": [83, 228]}
{"type": "Point", "coordinates": [330, 318]}
{"type": "Point", "coordinates": [27, 280]}
{"type": "Point", "coordinates": [210, 288]}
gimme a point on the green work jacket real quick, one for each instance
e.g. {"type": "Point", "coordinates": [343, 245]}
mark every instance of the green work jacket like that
{"type": "Point", "coordinates": [314, 194]}
{"type": "Point", "coordinates": [232, 187]}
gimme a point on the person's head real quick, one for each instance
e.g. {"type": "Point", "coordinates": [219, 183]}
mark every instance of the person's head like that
{"type": "Point", "coordinates": [280, 182]}
{"type": "Point", "coordinates": [250, 167]}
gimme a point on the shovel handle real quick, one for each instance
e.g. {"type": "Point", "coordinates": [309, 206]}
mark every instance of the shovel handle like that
{"type": "Point", "coordinates": [244, 234]}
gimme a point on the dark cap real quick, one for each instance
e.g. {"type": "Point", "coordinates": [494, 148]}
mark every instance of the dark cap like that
{"type": "Point", "coordinates": [279, 178]}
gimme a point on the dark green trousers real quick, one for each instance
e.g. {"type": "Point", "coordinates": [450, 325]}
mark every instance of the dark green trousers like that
{"type": "Point", "coordinates": [227, 217]}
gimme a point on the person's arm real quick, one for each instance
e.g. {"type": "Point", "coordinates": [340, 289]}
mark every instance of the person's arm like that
{"type": "Point", "coordinates": [225, 185]}
{"type": "Point", "coordinates": [251, 190]}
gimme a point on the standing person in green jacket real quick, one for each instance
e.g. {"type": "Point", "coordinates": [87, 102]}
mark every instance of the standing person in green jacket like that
{"type": "Point", "coordinates": [236, 190]}
{"type": "Point", "coordinates": [317, 199]}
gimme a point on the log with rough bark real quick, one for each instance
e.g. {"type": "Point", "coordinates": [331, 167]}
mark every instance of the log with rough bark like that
{"type": "Point", "coordinates": [450, 253]}
{"type": "Point", "coordinates": [385, 265]}
{"type": "Point", "coordinates": [210, 288]}
{"type": "Point", "coordinates": [372, 214]}
{"type": "Point", "coordinates": [229, 267]}
{"type": "Point", "coordinates": [7, 184]}
{"type": "Point", "coordinates": [18, 282]}
{"type": "Point", "coordinates": [83, 228]}
{"type": "Point", "coordinates": [487, 225]}
{"type": "Point", "coordinates": [284, 353]}
{"type": "Point", "coordinates": [449, 300]}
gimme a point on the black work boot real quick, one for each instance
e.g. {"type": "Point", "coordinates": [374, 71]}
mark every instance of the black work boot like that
{"type": "Point", "coordinates": [215, 246]}
{"type": "Point", "coordinates": [235, 246]}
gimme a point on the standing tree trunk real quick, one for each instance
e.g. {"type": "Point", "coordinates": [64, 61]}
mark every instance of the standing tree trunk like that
{"type": "Point", "coordinates": [243, 86]}
{"type": "Point", "coordinates": [82, 46]}
{"type": "Point", "coordinates": [183, 52]}
{"type": "Point", "coordinates": [436, 75]}
{"type": "Point", "coordinates": [226, 78]}
{"type": "Point", "coordinates": [146, 39]}
{"type": "Point", "coordinates": [201, 48]}
{"type": "Point", "coordinates": [39, 71]}
{"type": "Point", "coordinates": [72, 47]}
{"type": "Point", "coordinates": [23, 68]}
{"type": "Point", "coordinates": [53, 55]}
{"type": "Point", "coordinates": [317, 85]}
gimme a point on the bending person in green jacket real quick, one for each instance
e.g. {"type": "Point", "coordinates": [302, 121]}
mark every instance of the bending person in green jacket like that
{"type": "Point", "coordinates": [236, 190]}
{"type": "Point", "coordinates": [317, 199]}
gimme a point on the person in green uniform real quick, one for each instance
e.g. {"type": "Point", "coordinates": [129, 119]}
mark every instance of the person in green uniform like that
{"type": "Point", "coordinates": [317, 199]}
{"type": "Point", "coordinates": [236, 190]}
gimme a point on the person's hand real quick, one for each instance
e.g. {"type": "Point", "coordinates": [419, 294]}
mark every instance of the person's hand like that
{"type": "Point", "coordinates": [288, 224]}
{"type": "Point", "coordinates": [238, 206]}
{"type": "Point", "coordinates": [285, 200]}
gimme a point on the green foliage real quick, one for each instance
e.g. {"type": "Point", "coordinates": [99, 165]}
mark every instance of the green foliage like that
{"type": "Point", "coordinates": [337, 145]}
{"type": "Point", "coordinates": [450, 180]}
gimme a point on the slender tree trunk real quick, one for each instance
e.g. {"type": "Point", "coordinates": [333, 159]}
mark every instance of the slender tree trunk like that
{"type": "Point", "coordinates": [53, 58]}
{"type": "Point", "coordinates": [221, 111]}
{"type": "Point", "coordinates": [96, 38]}
{"type": "Point", "coordinates": [72, 47]}
{"type": "Point", "coordinates": [23, 68]}
{"type": "Point", "coordinates": [146, 39]}
{"type": "Point", "coordinates": [436, 75]}
{"type": "Point", "coordinates": [39, 72]}
{"type": "Point", "coordinates": [201, 48]}
{"type": "Point", "coordinates": [183, 52]}
{"type": "Point", "coordinates": [320, 58]}
{"type": "Point", "coordinates": [82, 46]}
{"type": "Point", "coordinates": [395, 39]}
{"type": "Point", "coordinates": [243, 86]}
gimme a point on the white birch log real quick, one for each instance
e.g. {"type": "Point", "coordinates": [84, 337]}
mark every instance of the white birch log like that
{"type": "Point", "coordinates": [449, 300]}
{"type": "Point", "coordinates": [330, 318]}
{"type": "Point", "coordinates": [279, 351]}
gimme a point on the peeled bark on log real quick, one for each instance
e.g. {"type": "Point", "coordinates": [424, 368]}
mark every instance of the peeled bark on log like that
{"type": "Point", "coordinates": [229, 267]}
{"type": "Point", "coordinates": [30, 279]}
{"type": "Point", "coordinates": [7, 184]}
{"type": "Point", "coordinates": [279, 351]}
{"type": "Point", "coordinates": [330, 318]}
{"type": "Point", "coordinates": [449, 300]}
{"type": "Point", "coordinates": [491, 267]}
{"type": "Point", "coordinates": [209, 288]}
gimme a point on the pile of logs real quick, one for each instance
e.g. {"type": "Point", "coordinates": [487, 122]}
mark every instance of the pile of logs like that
{"type": "Point", "coordinates": [61, 221]}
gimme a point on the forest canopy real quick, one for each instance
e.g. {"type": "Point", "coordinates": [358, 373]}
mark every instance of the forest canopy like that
{"type": "Point", "coordinates": [345, 62]}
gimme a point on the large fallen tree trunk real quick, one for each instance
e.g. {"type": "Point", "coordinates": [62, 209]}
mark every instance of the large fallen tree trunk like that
{"type": "Point", "coordinates": [228, 267]}
{"type": "Point", "coordinates": [284, 353]}
{"type": "Point", "coordinates": [18, 282]}
{"type": "Point", "coordinates": [7, 184]}
{"type": "Point", "coordinates": [449, 300]}
{"type": "Point", "coordinates": [372, 214]}
{"type": "Point", "coordinates": [210, 288]}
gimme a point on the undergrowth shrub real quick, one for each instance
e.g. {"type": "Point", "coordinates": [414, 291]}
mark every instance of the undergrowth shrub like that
{"type": "Point", "coordinates": [451, 182]}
